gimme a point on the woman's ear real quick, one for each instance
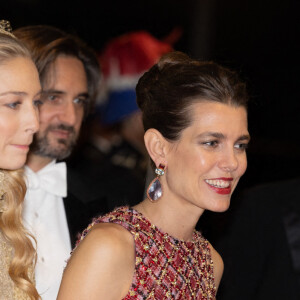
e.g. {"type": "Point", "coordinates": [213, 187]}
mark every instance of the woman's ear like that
{"type": "Point", "coordinates": [156, 145]}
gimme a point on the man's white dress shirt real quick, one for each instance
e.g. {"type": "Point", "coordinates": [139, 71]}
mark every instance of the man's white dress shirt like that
{"type": "Point", "coordinates": [44, 216]}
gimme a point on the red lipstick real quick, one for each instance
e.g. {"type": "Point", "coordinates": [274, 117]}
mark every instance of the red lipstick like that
{"type": "Point", "coordinates": [221, 190]}
{"type": "Point", "coordinates": [224, 178]}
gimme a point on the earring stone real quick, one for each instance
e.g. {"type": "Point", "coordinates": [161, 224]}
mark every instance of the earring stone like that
{"type": "Point", "coordinates": [154, 191]}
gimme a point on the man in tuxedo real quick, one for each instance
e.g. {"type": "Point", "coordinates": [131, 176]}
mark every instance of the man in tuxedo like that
{"type": "Point", "coordinates": [261, 246]}
{"type": "Point", "coordinates": [58, 204]}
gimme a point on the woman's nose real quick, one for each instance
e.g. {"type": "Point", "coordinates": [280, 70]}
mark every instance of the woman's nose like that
{"type": "Point", "coordinates": [31, 121]}
{"type": "Point", "coordinates": [229, 162]}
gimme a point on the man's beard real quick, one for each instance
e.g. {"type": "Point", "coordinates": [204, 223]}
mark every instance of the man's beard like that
{"type": "Point", "coordinates": [41, 145]}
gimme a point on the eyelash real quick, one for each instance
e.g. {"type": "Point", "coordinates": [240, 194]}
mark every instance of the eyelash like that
{"type": "Point", "coordinates": [214, 144]}
{"type": "Point", "coordinates": [242, 146]}
{"type": "Point", "coordinates": [55, 98]}
{"type": "Point", "coordinates": [52, 97]}
{"type": "Point", "coordinates": [38, 102]}
{"type": "Point", "coordinates": [211, 143]}
{"type": "Point", "coordinates": [80, 101]}
{"type": "Point", "coordinates": [13, 105]}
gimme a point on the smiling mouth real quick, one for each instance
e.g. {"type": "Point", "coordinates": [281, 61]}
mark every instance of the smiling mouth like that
{"type": "Point", "coordinates": [220, 186]}
{"type": "Point", "coordinates": [218, 183]}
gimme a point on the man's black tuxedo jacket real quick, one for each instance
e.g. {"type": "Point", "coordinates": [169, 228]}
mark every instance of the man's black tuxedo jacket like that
{"type": "Point", "coordinates": [84, 201]}
{"type": "Point", "coordinates": [262, 252]}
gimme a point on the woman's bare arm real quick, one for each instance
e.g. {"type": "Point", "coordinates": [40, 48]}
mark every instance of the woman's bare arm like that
{"type": "Point", "coordinates": [101, 267]}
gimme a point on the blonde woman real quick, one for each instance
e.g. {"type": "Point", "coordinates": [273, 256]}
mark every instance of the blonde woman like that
{"type": "Point", "coordinates": [19, 100]}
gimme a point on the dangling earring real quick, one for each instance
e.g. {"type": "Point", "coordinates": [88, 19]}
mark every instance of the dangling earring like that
{"type": "Point", "coordinates": [2, 192]}
{"type": "Point", "coordinates": [154, 191]}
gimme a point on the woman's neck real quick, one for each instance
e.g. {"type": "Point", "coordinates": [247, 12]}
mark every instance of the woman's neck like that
{"type": "Point", "coordinates": [177, 219]}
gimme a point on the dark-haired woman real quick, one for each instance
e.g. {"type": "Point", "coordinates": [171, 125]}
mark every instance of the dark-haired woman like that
{"type": "Point", "coordinates": [195, 121]}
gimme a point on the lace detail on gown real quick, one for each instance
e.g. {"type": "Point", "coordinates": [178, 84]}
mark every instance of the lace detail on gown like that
{"type": "Point", "coordinates": [166, 268]}
{"type": "Point", "coordinates": [8, 290]}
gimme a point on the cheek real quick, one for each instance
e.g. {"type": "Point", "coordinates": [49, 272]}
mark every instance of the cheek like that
{"type": "Point", "coordinates": [193, 164]}
{"type": "Point", "coordinates": [8, 128]}
{"type": "Point", "coordinates": [9, 134]}
{"type": "Point", "coordinates": [2, 148]}
{"type": "Point", "coordinates": [204, 162]}
{"type": "Point", "coordinates": [46, 113]}
{"type": "Point", "coordinates": [79, 117]}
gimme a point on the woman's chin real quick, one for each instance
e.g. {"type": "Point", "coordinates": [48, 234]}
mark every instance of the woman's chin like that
{"type": "Point", "coordinates": [221, 206]}
{"type": "Point", "coordinates": [13, 164]}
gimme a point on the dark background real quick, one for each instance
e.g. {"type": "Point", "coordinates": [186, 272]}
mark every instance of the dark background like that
{"type": "Point", "coordinates": [258, 38]}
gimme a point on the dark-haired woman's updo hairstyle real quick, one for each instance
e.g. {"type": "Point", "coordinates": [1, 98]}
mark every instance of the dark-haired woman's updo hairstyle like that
{"type": "Point", "coordinates": [166, 92]}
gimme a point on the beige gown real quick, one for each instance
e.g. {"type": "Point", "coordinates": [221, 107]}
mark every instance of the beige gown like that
{"type": "Point", "coordinates": [8, 290]}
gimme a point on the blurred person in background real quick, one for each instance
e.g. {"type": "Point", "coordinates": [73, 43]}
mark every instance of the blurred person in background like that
{"type": "Point", "coordinates": [261, 244]}
{"type": "Point", "coordinates": [114, 153]}
{"type": "Point", "coordinates": [58, 202]}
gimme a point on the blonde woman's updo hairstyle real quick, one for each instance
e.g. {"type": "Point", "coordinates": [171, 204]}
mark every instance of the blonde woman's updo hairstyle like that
{"type": "Point", "coordinates": [10, 48]}
{"type": "Point", "coordinates": [14, 188]}
{"type": "Point", "coordinates": [166, 92]}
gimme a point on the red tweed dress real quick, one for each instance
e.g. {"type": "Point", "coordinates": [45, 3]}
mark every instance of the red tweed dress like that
{"type": "Point", "coordinates": [165, 268]}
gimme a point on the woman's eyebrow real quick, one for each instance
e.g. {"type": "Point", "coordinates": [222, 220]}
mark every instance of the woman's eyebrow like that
{"type": "Point", "coordinates": [217, 135]}
{"type": "Point", "coordinates": [14, 93]}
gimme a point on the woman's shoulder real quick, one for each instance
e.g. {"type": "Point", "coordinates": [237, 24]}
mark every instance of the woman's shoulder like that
{"type": "Point", "coordinates": [106, 257]}
{"type": "Point", "coordinates": [120, 216]}
{"type": "Point", "coordinates": [107, 235]}
{"type": "Point", "coordinates": [107, 238]}
{"type": "Point", "coordinates": [105, 242]}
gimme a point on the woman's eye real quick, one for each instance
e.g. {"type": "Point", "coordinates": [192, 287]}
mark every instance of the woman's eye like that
{"type": "Point", "coordinates": [211, 143]}
{"type": "Point", "coordinates": [241, 146]}
{"type": "Point", "coordinates": [13, 105]}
